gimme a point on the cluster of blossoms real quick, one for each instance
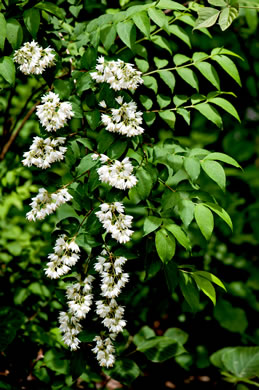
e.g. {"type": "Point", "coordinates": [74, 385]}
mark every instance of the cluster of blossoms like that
{"type": "Point", "coordinates": [45, 203]}
{"type": "Point", "coordinates": [115, 221]}
{"type": "Point", "coordinates": [52, 113]}
{"type": "Point", "coordinates": [64, 257]}
{"type": "Point", "coordinates": [119, 74]}
{"type": "Point", "coordinates": [125, 120]}
{"type": "Point", "coordinates": [44, 152]}
{"type": "Point", "coordinates": [33, 59]}
{"type": "Point", "coordinates": [113, 279]}
{"type": "Point", "coordinates": [79, 303]}
{"type": "Point", "coordinates": [116, 173]}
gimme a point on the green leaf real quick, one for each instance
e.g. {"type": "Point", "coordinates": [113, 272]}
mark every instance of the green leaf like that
{"type": "Point", "coordinates": [180, 59]}
{"type": "Point", "coordinates": [124, 371]}
{"type": "Point", "coordinates": [14, 33]}
{"type": "Point", "coordinates": [222, 157]}
{"type": "Point", "coordinates": [144, 334]}
{"type": "Point", "coordinates": [205, 286]}
{"type": "Point", "coordinates": [11, 321]}
{"type": "Point", "coordinates": [142, 21]}
{"type": "Point", "coordinates": [169, 117]}
{"type": "Point", "coordinates": [108, 36]}
{"type": "Point", "coordinates": [186, 211]}
{"type": "Point", "coordinates": [227, 15]}
{"type": "Point", "coordinates": [66, 211]}
{"type": "Point", "coordinates": [159, 18]}
{"type": "Point", "coordinates": [163, 100]}
{"type": "Point", "coordinates": [63, 88]}
{"type": "Point", "coordinates": [142, 65]}
{"type": "Point", "coordinates": [150, 224]}
{"type": "Point", "coordinates": [189, 77]}
{"type": "Point", "coordinates": [216, 357]}
{"type": "Point", "coordinates": [161, 42]}
{"type": "Point", "coordinates": [144, 184]}
{"type": "Point", "coordinates": [127, 32]}
{"type": "Point", "coordinates": [75, 10]}
{"type": "Point", "coordinates": [146, 102]}
{"type": "Point", "coordinates": [52, 9]}
{"type": "Point", "coordinates": [231, 318]}
{"type": "Point", "coordinates": [211, 277]}
{"type": "Point", "coordinates": [3, 31]}
{"type": "Point", "coordinates": [150, 82]}
{"type": "Point", "coordinates": [180, 33]}
{"type": "Point", "coordinates": [160, 63]}
{"type": "Point", "coordinates": [243, 362]}
{"type": "Point", "coordinates": [171, 275]}
{"type": "Point", "coordinates": [189, 291]}
{"type": "Point", "coordinates": [204, 219]}
{"type": "Point", "coordinates": [31, 19]}
{"type": "Point", "coordinates": [168, 78]}
{"type": "Point", "coordinates": [225, 105]}
{"type": "Point", "coordinates": [86, 164]}
{"type": "Point", "coordinates": [208, 71]}
{"type": "Point", "coordinates": [215, 171]}
{"type": "Point", "coordinates": [217, 3]}
{"type": "Point", "coordinates": [207, 17]}
{"type": "Point", "coordinates": [159, 349]}
{"type": "Point", "coordinates": [93, 118]}
{"type": "Point", "coordinates": [54, 360]}
{"type": "Point", "coordinates": [179, 100]}
{"type": "Point", "coordinates": [221, 213]}
{"type": "Point", "coordinates": [179, 234]}
{"type": "Point", "coordinates": [228, 65]}
{"type": "Point", "coordinates": [177, 334]}
{"type": "Point", "coordinates": [222, 50]}
{"type": "Point", "coordinates": [84, 83]}
{"type": "Point", "coordinates": [185, 114]}
{"type": "Point", "coordinates": [7, 69]}
{"type": "Point", "coordinates": [209, 112]}
{"type": "Point", "coordinates": [169, 4]}
{"type": "Point", "coordinates": [192, 167]}
{"type": "Point", "coordinates": [165, 245]}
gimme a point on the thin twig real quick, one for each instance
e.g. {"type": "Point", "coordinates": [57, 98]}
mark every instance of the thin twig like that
{"type": "Point", "coordinates": [14, 135]}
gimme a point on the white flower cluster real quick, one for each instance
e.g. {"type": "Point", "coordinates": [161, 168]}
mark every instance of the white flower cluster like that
{"type": "Point", "coordinates": [33, 59]}
{"type": "Point", "coordinates": [44, 152]}
{"type": "Point", "coordinates": [64, 257]}
{"type": "Point", "coordinates": [115, 221]}
{"type": "Point", "coordinates": [119, 74]}
{"type": "Point", "coordinates": [104, 350]}
{"type": "Point", "coordinates": [45, 203]}
{"type": "Point", "coordinates": [116, 173]}
{"type": "Point", "coordinates": [79, 302]}
{"type": "Point", "coordinates": [112, 280]}
{"type": "Point", "coordinates": [52, 113]}
{"type": "Point", "coordinates": [125, 120]}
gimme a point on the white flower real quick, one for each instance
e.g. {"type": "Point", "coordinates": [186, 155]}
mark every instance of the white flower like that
{"type": "Point", "coordinates": [53, 114]}
{"type": "Point", "coordinates": [119, 74]}
{"type": "Point", "coordinates": [69, 325]}
{"type": "Point", "coordinates": [33, 59]}
{"type": "Point", "coordinates": [118, 174]}
{"type": "Point", "coordinates": [115, 221]}
{"type": "Point", "coordinates": [125, 120]}
{"type": "Point", "coordinates": [112, 315]}
{"type": "Point", "coordinates": [64, 257]}
{"type": "Point", "coordinates": [44, 152]}
{"type": "Point", "coordinates": [45, 203]}
{"type": "Point", "coordinates": [104, 351]}
{"type": "Point", "coordinates": [80, 297]}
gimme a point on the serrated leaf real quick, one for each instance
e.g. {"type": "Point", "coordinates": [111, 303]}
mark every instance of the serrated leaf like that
{"type": "Point", "coordinates": [226, 17]}
{"type": "Point", "coordinates": [124, 371]}
{"type": "Point", "coordinates": [3, 31]}
{"type": "Point", "coordinates": [146, 102]}
{"type": "Point", "coordinates": [215, 171]}
{"type": "Point", "coordinates": [7, 69]}
{"type": "Point", "coordinates": [189, 291]}
{"type": "Point", "coordinates": [163, 100]}
{"type": "Point", "coordinates": [169, 4]}
{"type": "Point", "coordinates": [31, 19]}
{"type": "Point", "coordinates": [171, 275]}
{"type": "Point", "coordinates": [226, 105]}
{"type": "Point", "coordinates": [159, 18]}
{"type": "Point", "coordinates": [180, 59]}
{"type": "Point", "coordinates": [179, 234]}
{"type": "Point", "coordinates": [209, 112]}
{"type": "Point", "coordinates": [168, 78]}
{"type": "Point", "coordinates": [208, 71]}
{"type": "Point", "coordinates": [217, 3]}
{"type": "Point", "coordinates": [86, 164]}
{"type": "Point", "coordinates": [142, 65]}
{"type": "Point", "coordinates": [160, 63]}
{"type": "Point", "coordinates": [52, 9]}
{"type": "Point", "coordinates": [186, 211]}
{"type": "Point", "coordinates": [228, 65]}
{"type": "Point", "coordinates": [144, 184]}
{"type": "Point", "coordinates": [222, 50]}
{"type": "Point", "coordinates": [108, 36]}
{"type": "Point", "coordinates": [151, 223]}
{"type": "Point", "coordinates": [150, 82]}
{"type": "Point", "coordinates": [165, 245]}
{"type": "Point", "coordinates": [180, 33]}
{"type": "Point", "coordinates": [243, 362]}
{"type": "Point", "coordinates": [233, 319]}
{"type": "Point", "coordinates": [180, 99]}
{"type": "Point", "coordinates": [192, 167]}
{"type": "Point", "coordinates": [221, 213]}
{"type": "Point", "coordinates": [127, 32]}
{"type": "Point", "coordinates": [204, 219]}
{"type": "Point", "coordinates": [207, 17]}
{"type": "Point", "coordinates": [205, 286]}
{"type": "Point", "coordinates": [189, 77]}
{"type": "Point", "coordinates": [159, 349]}
{"type": "Point", "coordinates": [211, 277]}
{"type": "Point", "coordinates": [185, 114]}
{"type": "Point", "coordinates": [144, 334]}
{"type": "Point", "coordinates": [177, 334]}
{"type": "Point", "coordinates": [169, 117]}
{"type": "Point", "coordinates": [161, 42]}
{"type": "Point", "coordinates": [14, 33]}
{"type": "Point", "coordinates": [142, 21]}
{"type": "Point", "coordinates": [222, 157]}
